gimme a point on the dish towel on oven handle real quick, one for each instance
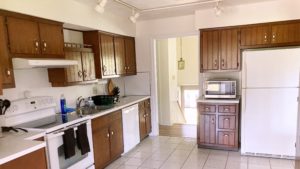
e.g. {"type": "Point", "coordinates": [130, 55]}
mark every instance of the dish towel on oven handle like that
{"type": "Point", "coordinates": [82, 139]}
{"type": "Point", "coordinates": [69, 143]}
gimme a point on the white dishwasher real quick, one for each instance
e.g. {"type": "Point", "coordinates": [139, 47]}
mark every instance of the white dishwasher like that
{"type": "Point", "coordinates": [131, 128]}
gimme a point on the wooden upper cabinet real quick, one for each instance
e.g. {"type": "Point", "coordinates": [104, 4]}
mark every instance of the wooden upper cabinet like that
{"type": "Point", "coordinates": [229, 49]}
{"type": "Point", "coordinates": [32, 38]}
{"type": "Point", "coordinates": [119, 43]}
{"type": "Point", "coordinates": [23, 36]}
{"type": "Point", "coordinates": [285, 33]}
{"type": "Point", "coordinates": [75, 72]}
{"type": "Point", "coordinates": [130, 55]}
{"type": "Point", "coordinates": [6, 69]}
{"type": "Point", "coordinates": [255, 35]}
{"type": "Point", "coordinates": [88, 66]}
{"type": "Point", "coordinates": [51, 39]}
{"type": "Point", "coordinates": [209, 49]}
{"type": "Point", "coordinates": [107, 55]}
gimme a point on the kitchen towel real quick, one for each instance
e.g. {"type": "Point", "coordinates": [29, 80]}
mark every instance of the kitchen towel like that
{"type": "Point", "coordinates": [69, 143]}
{"type": "Point", "coordinates": [82, 139]}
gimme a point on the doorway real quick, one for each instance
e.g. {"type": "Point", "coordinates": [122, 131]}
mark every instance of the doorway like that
{"type": "Point", "coordinates": [177, 63]}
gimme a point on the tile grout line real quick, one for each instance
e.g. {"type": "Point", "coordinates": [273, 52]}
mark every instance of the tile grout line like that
{"type": "Point", "coordinates": [187, 157]}
{"type": "Point", "coordinates": [226, 160]}
{"type": "Point", "coordinates": [206, 159]}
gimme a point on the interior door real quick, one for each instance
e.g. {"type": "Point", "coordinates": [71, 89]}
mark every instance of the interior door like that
{"type": "Point", "coordinates": [74, 73]}
{"type": "Point", "coordinates": [130, 56]}
{"type": "Point", "coordinates": [88, 65]}
{"type": "Point", "coordinates": [120, 55]}
{"type": "Point", "coordinates": [209, 50]}
{"type": "Point", "coordinates": [269, 121]}
{"type": "Point", "coordinates": [107, 55]}
{"type": "Point", "coordinates": [229, 49]}
{"type": "Point", "coordinates": [6, 69]}
{"type": "Point", "coordinates": [116, 138]}
{"type": "Point", "coordinates": [21, 42]}
{"type": "Point", "coordinates": [52, 39]}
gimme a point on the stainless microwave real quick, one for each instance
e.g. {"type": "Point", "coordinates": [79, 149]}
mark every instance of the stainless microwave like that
{"type": "Point", "coordinates": [220, 89]}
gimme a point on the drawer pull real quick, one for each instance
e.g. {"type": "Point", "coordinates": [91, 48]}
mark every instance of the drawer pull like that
{"type": "Point", "coordinates": [225, 135]}
{"type": "Point", "coordinates": [112, 133]}
{"type": "Point", "coordinates": [206, 108]}
{"type": "Point", "coordinates": [227, 119]}
{"type": "Point", "coordinates": [226, 109]}
{"type": "Point", "coordinates": [107, 135]}
{"type": "Point", "coordinates": [8, 73]}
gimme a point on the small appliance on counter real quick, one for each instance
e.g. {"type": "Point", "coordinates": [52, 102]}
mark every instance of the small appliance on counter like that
{"type": "Point", "coordinates": [220, 89]}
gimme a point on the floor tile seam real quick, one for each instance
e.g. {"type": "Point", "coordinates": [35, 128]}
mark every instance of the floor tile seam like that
{"type": "Point", "coordinates": [167, 158]}
{"type": "Point", "coordinates": [186, 158]}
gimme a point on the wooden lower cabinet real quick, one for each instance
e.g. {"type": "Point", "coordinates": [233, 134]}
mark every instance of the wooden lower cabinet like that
{"type": "Point", "coordinates": [107, 138]}
{"type": "Point", "coordinates": [34, 160]}
{"type": "Point", "coordinates": [218, 126]}
{"type": "Point", "coordinates": [145, 118]}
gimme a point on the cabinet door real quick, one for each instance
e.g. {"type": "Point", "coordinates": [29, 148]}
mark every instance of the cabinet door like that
{"type": "Point", "coordinates": [74, 73]}
{"type": "Point", "coordinates": [226, 138]}
{"type": "Point", "coordinates": [52, 40]}
{"type": "Point", "coordinates": [229, 49]}
{"type": "Point", "coordinates": [148, 116]}
{"type": "Point", "coordinates": [6, 69]}
{"type": "Point", "coordinates": [286, 33]}
{"type": "Point", "coordinates": [120, 55]}
{"type": "Point", "coordinates": [209, 49]}
{"type": "Point", "coordinates": [23, 36]}
{"type": "Point", "coordinates": [1, 87]}
{"type": "Point", "coordinates": [255, 35]}
{"type": "Point", "coordinates": [34, 160]}
{"type": "Point", "coordinates": [142, 119]}
{"type": "Point", "coordinates": [101, 144]}
{"type": "Point", "coordinates": [207, 129]}
{"type": "Point", "coordinates": [107, 55]}
{"type": "Point", "coordinates": [130, 56]}
{"type": "Point", "coordinates": [116, 138]}
{"type": "Point", "coordinates": [88, 65]}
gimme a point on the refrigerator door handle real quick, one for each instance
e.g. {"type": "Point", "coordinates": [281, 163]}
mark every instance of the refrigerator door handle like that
{"type": "Point", "coordinates": [244, 75]}
{"type": "Point", "coordinates": [244, 101]}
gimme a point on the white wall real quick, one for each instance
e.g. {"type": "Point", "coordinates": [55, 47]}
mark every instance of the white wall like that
{"type": "Point", "coordinates": [77, 12]}
{"type": "Point", "coordinates": [190, 74]}
{"type": "Point", "coordinates": [147, 31]}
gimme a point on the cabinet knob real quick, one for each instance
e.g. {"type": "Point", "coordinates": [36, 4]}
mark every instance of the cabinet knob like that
{"type": "Point", "coordinates": [223, 62]}
{"type": "Point", "coordinates": [80, 74]}
{"type": "Point", "coordinates": [112, 133]}
{"type": "Point", "coordinates": [144, 115]}
{"type": "Point", "coordinates": [107, 135]}
{"type": "Point", "coordinates": [226, 109]}
{"type": "Point", "coordinates": [125, 68]}
{"type": "Point", "coordinates": [8, 72]}
{"type": "Point", "coordinates": [273, 37]}
{"type": "Point", "coordinates": [128, 67]}
{"type": "Point", "coordinates": [104, 68]}
{"type": "Point", "coordinates": [37, 44]}
{"type": "Point", "coordinates": [84, 73]}
{"type": "Point", "coordinates": [206, 108]}
{"type": "Point", "coordinates": [44, 45]}
{"type": "Point", "coordinates": [226, 119]}
{"type": "Point", "coordinates": [225, 135]}
{"type": "Point", "coordinates": [216, 63]}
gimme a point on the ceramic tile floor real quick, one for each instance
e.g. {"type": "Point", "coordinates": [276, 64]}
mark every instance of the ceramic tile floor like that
{"type": "Point", "coordinates": [182, 153]}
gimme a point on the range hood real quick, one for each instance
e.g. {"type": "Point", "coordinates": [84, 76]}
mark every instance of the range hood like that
{"type": "Point", "coordinates": [30, 63]}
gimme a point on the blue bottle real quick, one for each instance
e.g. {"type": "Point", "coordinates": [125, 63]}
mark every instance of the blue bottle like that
{"type": "Point", "coordinates": [63, 104]}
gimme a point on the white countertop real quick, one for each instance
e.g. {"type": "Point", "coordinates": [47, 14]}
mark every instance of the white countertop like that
{"type": "Point", "coordinates": [229, 101]}
{"type": "Point", "coordinates": [14, 145]}
{"type": "Point", "coordinates": [124, 102]}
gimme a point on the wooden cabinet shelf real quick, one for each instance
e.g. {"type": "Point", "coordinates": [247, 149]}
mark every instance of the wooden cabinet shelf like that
{"type": "Point", "coordinates": [84, 72]}
{"type": "Point", "coordinates": [218, 126]}
{"type": "Point", "coordinates": [114, 54]}
{"type": "Point", "coordinates": [107, 138]}
{"type": "Point", "coordinates": [145, 118]}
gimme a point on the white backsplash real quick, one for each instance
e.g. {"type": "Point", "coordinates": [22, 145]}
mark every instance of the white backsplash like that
{"type": "Point", "coordinates": [221, 75]}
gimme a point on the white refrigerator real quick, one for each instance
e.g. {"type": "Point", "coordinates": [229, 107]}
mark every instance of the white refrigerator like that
{"type": "Point", "coordinates": [270, 90]}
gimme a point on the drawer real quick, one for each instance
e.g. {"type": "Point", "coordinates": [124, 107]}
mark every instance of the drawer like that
{"type": "Point", "coordinates": [207, 108]}
{"type": "Point", "coordinates": [226, 138]}
{"type": "Point", "coordinates": [227, 122]}
{"type": "Point", "coordinates": [227, 109]}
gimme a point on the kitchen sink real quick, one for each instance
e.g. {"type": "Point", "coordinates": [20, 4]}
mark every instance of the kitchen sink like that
{"type": "Point", "coordinates": [92, 109]}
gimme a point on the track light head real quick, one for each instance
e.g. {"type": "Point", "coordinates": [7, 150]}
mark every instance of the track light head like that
{"type": "Point", "coordinates": [218, 9]}
{"type": "Point", "coordinates": [100, 6]}
{"type": "Point", "coordinates": [134, 16]}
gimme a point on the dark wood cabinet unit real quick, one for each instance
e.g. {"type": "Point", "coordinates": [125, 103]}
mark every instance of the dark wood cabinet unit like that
{"type": "Point", "coordinates": [6, 69]}
{"type": "Point", "coordinates": [114, 54]}
{"type": "Point", "coordinates": [219, 50]}
{"type": "Point", "coordinates": [258, 35]}
{"type": "Point", "coordinates": [283, 33]}
{"type": "Point", "coordinates": [218, 126]}
{"type": "Point", "coordinates": [34, 160]}
{"type": "Point", "coordinates": [84, 72]}
{"type": "Point", "coordinates": [107, 138]}
{"type": "Point", "coordinates": [145, 118]}
{"type": "Point", "coordinates": [34, 38]}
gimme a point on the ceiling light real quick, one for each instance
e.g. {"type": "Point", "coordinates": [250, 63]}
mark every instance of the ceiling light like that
{"type": "Point", "coordinates": [100, 6]}
{"type": "Point", "coordinates": [218, 9]}
{"type": "Point", "coordinates": [134, 16]}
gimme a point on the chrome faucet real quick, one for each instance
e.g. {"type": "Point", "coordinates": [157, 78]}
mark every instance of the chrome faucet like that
{"type": "Point", "coordinates": [78, 101]}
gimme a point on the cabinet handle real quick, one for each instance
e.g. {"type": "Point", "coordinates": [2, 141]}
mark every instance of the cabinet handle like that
{"type": "Point", "coordinates": [8, 72]}
{"type": "Point", "coordinates": [223, 62]}
{"type": "Point", "coordinates": [128, 67]}
{"type": "Point", "coordinates": [112, 133]}
{"type": "Point", "coordinates": [206, 108]}
{"type": "Point", "coordinates": [37, 44]}
{"type": "Point", "coordinates": [216, 63]}
{"type": "Point", "coordinates": [273, 37]}
{"type": "Point", "coordinates": [125, 68]}
{"type": "Point", "coordinates": [80, 74]}
{"type": "Point", "coordinates": [107, 135]}
{"type": "Point", "coordinates": [226, 109]}
{"type": "Point", "coordinates": [104, 68]}
{"type": "Point", "coordinates": [144, 115]}
{"type": "Point", "coordinates": [84, 73]}
{"type": "Point", "coordinates": [45, 45]}
{"type": "Point", "coordinates": [226, 119]}
{"type": "Point", "coordinates": [225, 135]}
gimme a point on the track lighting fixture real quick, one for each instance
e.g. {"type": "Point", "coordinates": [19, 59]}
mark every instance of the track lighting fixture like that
{"type": "Point", "coordinates": [100, 6]}
{"type": "Point", "coordinates": [218, 9]}
{"type": "Point", "coordinates": [134, 16]}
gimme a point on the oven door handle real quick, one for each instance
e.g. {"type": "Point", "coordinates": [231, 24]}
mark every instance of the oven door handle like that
{"type": "Point", "coordinates": [51, 136]}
